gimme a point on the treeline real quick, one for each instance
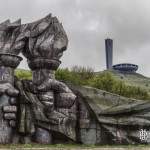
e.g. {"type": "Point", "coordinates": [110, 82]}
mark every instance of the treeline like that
{"type": "Point", "coordinates": [86, 76]}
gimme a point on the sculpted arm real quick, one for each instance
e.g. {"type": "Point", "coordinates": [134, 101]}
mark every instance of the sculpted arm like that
{"type": "Point", "coordinates": [10, 47]}
{"type": "Point", "coordinates": [46, 44]}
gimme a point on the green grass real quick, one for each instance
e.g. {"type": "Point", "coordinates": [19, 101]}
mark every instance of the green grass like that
{"type": "Point", "coordinates": [129, 85]}
{"type": "Point", "coordinates": [70, 146]}
{"type": "Point", "coordinates": [23, 74]}
{"type": "Point", "coordinates": [133, 79]}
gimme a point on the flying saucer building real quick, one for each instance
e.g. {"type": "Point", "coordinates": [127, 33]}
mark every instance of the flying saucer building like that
{"type": "Point", "coordinates": [123, 67]}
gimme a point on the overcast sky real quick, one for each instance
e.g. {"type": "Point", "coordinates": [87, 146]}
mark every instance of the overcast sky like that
{"type": "Point", "coordinates": [88, 23]}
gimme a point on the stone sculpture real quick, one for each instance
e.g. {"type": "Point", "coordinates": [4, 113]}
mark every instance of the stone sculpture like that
{"type": "Point", "coordinates": [47, 111]}
{"type": "Point", "coordinates": [42, 43]}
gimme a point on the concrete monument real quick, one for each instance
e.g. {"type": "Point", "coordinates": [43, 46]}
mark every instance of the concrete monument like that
{"type": "Point", "coordinates": [48, 111]}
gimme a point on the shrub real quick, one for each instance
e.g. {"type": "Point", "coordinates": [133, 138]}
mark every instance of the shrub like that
{"type": "Point", "coordinates": [103, 81]}
{"type": "Point", "coordinates": [85, 73]}
{"type": "Point", "coordinates": [77, 75]}
{"type": "Point", "coordinates": [23, 74]}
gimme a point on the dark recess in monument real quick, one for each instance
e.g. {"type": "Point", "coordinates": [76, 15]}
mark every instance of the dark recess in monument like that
{"type": "Point", "coordinates": [122, 67]}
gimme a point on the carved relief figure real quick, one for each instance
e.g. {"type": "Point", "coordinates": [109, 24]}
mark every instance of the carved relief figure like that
{"type": "Point", "coordinates": [43, 104]}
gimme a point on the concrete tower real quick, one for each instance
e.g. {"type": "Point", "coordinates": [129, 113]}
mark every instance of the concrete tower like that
{"type": "Point", "coordinates": [109, 53]}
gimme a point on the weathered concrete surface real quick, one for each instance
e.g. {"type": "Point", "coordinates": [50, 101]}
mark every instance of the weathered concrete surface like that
{"type": "Point", "coordinates": [121, 118]}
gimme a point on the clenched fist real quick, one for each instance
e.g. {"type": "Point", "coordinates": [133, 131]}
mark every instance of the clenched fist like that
{"type": "Point", "coordinates": [8, 92]}
{"type": "Point", "coordinates": [65, 98]}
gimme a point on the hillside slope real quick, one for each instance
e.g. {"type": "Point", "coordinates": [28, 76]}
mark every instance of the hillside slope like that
{"type": "Point", "coordinates": [129, 85]}
{"type": "Point", "coordinates": [134, 79]}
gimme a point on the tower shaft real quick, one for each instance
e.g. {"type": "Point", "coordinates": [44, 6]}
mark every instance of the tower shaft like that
{"type": "Point", "coordinates": [109, 53]}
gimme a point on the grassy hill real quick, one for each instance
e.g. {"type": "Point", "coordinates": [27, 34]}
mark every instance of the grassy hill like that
{"type": "Point", "coordinates": [129, 85]}
{"type": "Point", "coordinates": [134, 79]}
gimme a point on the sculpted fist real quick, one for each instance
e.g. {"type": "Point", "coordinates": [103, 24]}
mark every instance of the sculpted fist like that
{"type": "Point", "coordinates": [8, 92]}
{"type": "Point", "coordinates": [7, 88]}
{"type": "Point", "coordinates": [64, 96]}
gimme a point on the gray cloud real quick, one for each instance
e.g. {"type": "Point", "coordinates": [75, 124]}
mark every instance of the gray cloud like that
{"type": "Point", "coordinates": [88, 23]}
